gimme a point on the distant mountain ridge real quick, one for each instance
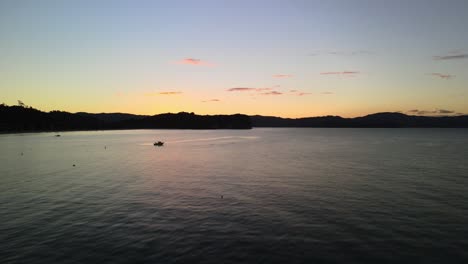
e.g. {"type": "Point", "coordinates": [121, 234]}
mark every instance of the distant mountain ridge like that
{"type": "Point", "coordinates": [386, 119]}
{"type": "Point", "coordinates": [27, 119]}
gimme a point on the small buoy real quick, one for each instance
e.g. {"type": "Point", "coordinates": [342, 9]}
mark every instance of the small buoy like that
{"type": "Point", "coordinates": [222, 197]}
{"type": "Point", "coordinates": [73, 165]}
{"type": "Point", "coordinates": [105, 147]}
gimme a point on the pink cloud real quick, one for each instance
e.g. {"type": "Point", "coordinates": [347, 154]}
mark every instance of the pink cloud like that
{"type": "Point", "coordinates": [442, 76]}
{"type": "Point", "coordinates": [302, 94]}
{"type": "Point", "coordinates": [282, 76]}
{"type": "Point", "coordinates": [330, 73]}
{"type": "Point", "coordinates": [263, 89]}
{"type": "Point", "coordinates": [193, 61]}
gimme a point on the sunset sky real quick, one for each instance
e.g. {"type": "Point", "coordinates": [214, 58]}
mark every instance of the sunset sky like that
{"type": "Point", "coordinates": [285, 58]}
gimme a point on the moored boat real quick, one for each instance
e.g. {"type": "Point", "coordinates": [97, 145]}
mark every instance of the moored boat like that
{"type": "Point", "coordinates": [158, 144]}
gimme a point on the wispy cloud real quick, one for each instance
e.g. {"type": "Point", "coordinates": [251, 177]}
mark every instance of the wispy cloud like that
{"type": "Point", "coordinates": [272, 93]}
{"type": "Point", "coordinates": [442, 76]}
{"type": "Point", "coordinates": [340, 52]}
{"type": "Point", "coordinates": [170, 93]}
{"type": "Point", "coordinates": [282, 76]}
{"type": "Point", "coordinates": [255, 91]}
{"type": "Point", "coordinates": [452, 57]}
{"type": "Point", "coordinates": [193, 61]}
{"type": "Point", "coordinates": [267, 91]}
{"type": "Point", "coordinates": [299, 93]}
{"type": "Point", "coordinates": [327, 93]}
{"type": "Point", "coordinates": [247, 89]}
{"type": "Point", "coordinates": [350, 53]}
{"type": "Point", "coordinates": [431, 112]}
{"type": "Point", "coordinates": [421, 112]}
{"type": "Point", "coordinates": [211, 100]}
{"type": "Point", "coordinates": [163, 93]}
{"type": "Point", "coordinates": [341, 73]}
{"type": "Point", "coordinates": [241, 89]}
{"type": "Point", "coordinates": [443, 111]}
{"type": "Point", "coordinates": [263, 89]}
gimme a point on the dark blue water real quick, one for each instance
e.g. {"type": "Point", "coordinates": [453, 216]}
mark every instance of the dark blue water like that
{"type": "Point", "coordinates": [254, 196]}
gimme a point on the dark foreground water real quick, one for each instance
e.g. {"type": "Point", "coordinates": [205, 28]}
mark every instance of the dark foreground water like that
{"type": "Point", "coordinates": [253, 196]}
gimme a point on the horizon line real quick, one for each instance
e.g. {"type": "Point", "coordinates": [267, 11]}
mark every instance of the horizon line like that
{"type": "Point", "coordinates": [408, 113]}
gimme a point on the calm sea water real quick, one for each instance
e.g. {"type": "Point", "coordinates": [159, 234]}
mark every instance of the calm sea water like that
{"type": "Point", "coordinates": [224, 196]}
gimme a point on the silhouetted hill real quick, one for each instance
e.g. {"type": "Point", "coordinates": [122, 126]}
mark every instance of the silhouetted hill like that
{"type": "Point", "coordinates": [271, 121]}
{"type": "Point", "coordinates": [188, 120]}
{"type": "Point", "coordinates": [18, 118]}
{"type": "Point", "coordinates": [25, 119]}
{"type": "Point", "coordinates": [373, 120]}
{"type": "Point", "coordinates": [112, 117]}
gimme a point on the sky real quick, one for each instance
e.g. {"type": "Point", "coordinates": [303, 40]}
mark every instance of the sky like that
{"type": "Point", "coordinates": [289, 58]}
